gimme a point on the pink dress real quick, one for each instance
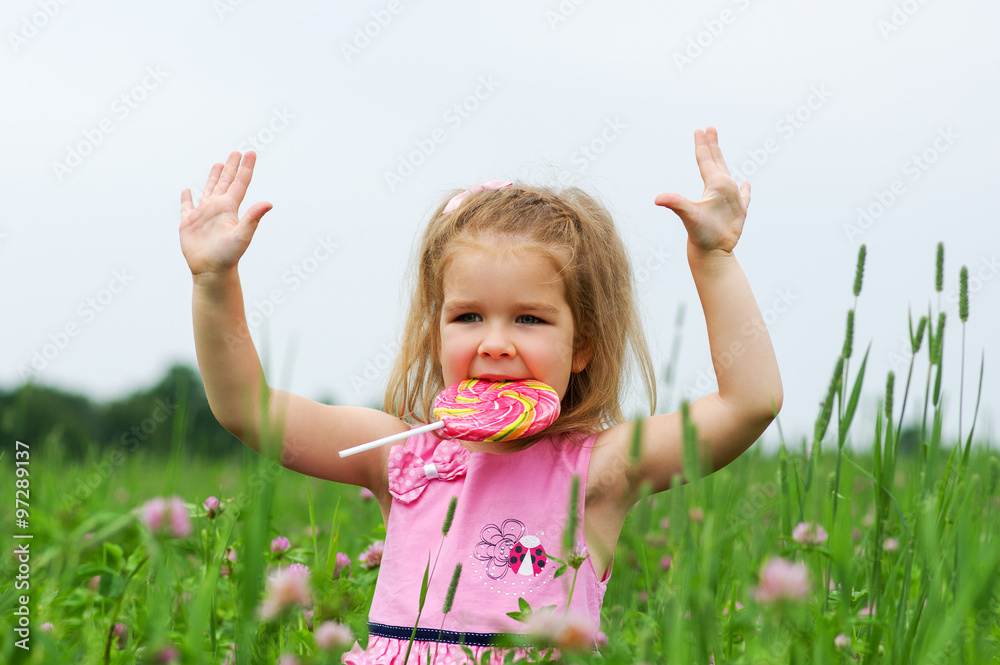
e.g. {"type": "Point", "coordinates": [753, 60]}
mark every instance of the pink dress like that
{"type": "Point", "coordinates": [511, 512]}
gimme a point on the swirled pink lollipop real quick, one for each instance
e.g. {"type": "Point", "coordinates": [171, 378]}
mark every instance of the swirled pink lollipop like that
{"type": "Point", "coordinates": [485, 410]}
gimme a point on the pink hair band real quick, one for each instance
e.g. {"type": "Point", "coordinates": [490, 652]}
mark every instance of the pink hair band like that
{"type": "Point", "coordinates": [491, 184]}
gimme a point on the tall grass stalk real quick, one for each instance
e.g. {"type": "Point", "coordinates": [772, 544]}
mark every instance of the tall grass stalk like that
{"type": "Point", "coordinates": [429, 572]}
{"type": "Point", "coordinates": [963, 315]}
{"type": "Point", "coordinates": [255, 528]}
{"type": "Point", "coordinates": [448, 601]}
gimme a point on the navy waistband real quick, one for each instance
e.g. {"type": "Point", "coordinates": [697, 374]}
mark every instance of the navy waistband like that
{"type": "Point", "coordinates": [450, 636]}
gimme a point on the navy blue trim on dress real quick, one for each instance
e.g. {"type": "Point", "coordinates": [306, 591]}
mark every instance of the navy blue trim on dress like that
{"type": "Point", "coordinates": [450, 637]}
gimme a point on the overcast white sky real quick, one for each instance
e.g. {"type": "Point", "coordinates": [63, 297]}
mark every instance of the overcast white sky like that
{"type": "Point", "coordinates": [826, 108]}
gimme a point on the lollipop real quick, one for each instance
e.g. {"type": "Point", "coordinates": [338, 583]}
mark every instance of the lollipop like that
{"type": "Point", "coordinates": [485, 410]}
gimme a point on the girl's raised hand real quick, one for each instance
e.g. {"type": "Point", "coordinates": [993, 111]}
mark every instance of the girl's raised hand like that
{"type": "Point", "coordinates": [213, 236]}
{"type": "Point", "coordinates": [715, 222]}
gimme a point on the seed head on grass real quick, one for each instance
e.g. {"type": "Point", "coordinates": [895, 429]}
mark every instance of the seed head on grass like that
{"type": "Point", "coordinates": [938, 341]}
{"type": "Point", "coordinates": [860, 272]}
{"type": "Point", "coordinates": [450, 598]}
{"type": "Point", "coordinates": [569, 535]}
{"type": "Point", "coordinates": [888, 395]}
{"type": "Point", "coordinates": [917, 340]}
{"type": "Point", "coordinates": [963, 294]}
{"type": "Point", "coordinates": [849, 339]}
{"type": "Point", "coordinates": [446, 527]}
{"type": "Point", "coordinates": [823, 421]}
{"type": "Point", "coordinates": [939, 272]}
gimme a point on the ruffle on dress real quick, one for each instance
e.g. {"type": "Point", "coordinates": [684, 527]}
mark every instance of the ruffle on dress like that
{"type": "Point", "coordinates": [390, 651]}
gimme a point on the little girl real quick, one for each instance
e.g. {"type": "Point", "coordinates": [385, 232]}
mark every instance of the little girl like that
{"type": "Point", "coordinates": [513, 282]}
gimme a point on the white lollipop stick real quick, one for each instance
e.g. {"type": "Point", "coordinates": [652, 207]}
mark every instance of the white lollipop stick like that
{"type": "Point", "coordinates": [394, 437]}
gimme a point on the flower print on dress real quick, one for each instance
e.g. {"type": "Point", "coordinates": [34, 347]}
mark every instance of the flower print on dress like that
{"type": "Point", "coordinates": [496, 544]}
{"type": "Point", "coordinates": [506, 547]}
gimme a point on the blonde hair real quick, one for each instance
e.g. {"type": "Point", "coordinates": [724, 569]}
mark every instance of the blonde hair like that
{"type": "Point", "coordinates": [577, 234]}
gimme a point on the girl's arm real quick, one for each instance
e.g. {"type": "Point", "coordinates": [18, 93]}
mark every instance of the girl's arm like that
{"type": "Point", "coordinates": [730, 420]}
{"type": "Point", "coordinates": [213, 238]}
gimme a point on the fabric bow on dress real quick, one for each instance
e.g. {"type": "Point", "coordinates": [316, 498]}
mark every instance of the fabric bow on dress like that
{"type": "Point", "coordinates": [410, 469]}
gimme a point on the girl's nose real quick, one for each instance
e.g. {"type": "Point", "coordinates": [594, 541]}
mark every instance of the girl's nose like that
{"type": "Point", "coordinates": [496, 344]}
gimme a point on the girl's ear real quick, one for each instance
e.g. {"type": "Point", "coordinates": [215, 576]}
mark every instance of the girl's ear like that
{"type": "Point", "coordinates": [582, 356]}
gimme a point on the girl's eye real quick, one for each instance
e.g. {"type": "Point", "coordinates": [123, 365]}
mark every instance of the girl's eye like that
{"type": "Point", "coordinates": [470, 317]}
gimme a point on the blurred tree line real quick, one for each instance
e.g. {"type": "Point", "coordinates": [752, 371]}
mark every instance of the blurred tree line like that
{"type": "Point", "coordinates": [175, 411]}
{"type": "Point", "coordinates": [147, 419]}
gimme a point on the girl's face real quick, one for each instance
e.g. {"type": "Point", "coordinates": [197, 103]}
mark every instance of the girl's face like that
{"type": "Point", "coordinates": [506, 318]}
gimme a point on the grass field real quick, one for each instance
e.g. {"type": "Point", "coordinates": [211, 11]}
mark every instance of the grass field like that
{"type": "Point", "coordinates": [817, 554]}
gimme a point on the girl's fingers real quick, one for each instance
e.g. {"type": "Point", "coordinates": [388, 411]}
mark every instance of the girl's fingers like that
{"type": "Point", "coordinates": [213, 178]}
{"type": "Point", "coordinates": [186, 204]}
{"type": "Point", "coordinates": [253, 216]}
{"type": "Point", "coordinates": [745, 193]}
{"type": "Point", "coordinates": [703, 153]}
{"type": "Point", "coordinates": [228, 173]}
{"type": "Point", "coordinates": [679, 204]}
{"type": "Point", "coordinates": [713, 144]}
{"type": "Point", "coordinates": [239, 187]}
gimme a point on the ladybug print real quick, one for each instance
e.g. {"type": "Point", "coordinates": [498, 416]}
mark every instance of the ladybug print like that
{"type": "Point", "coordinates": [530, 548]}
{"type": "Point", "coordinates": [506, 548]}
